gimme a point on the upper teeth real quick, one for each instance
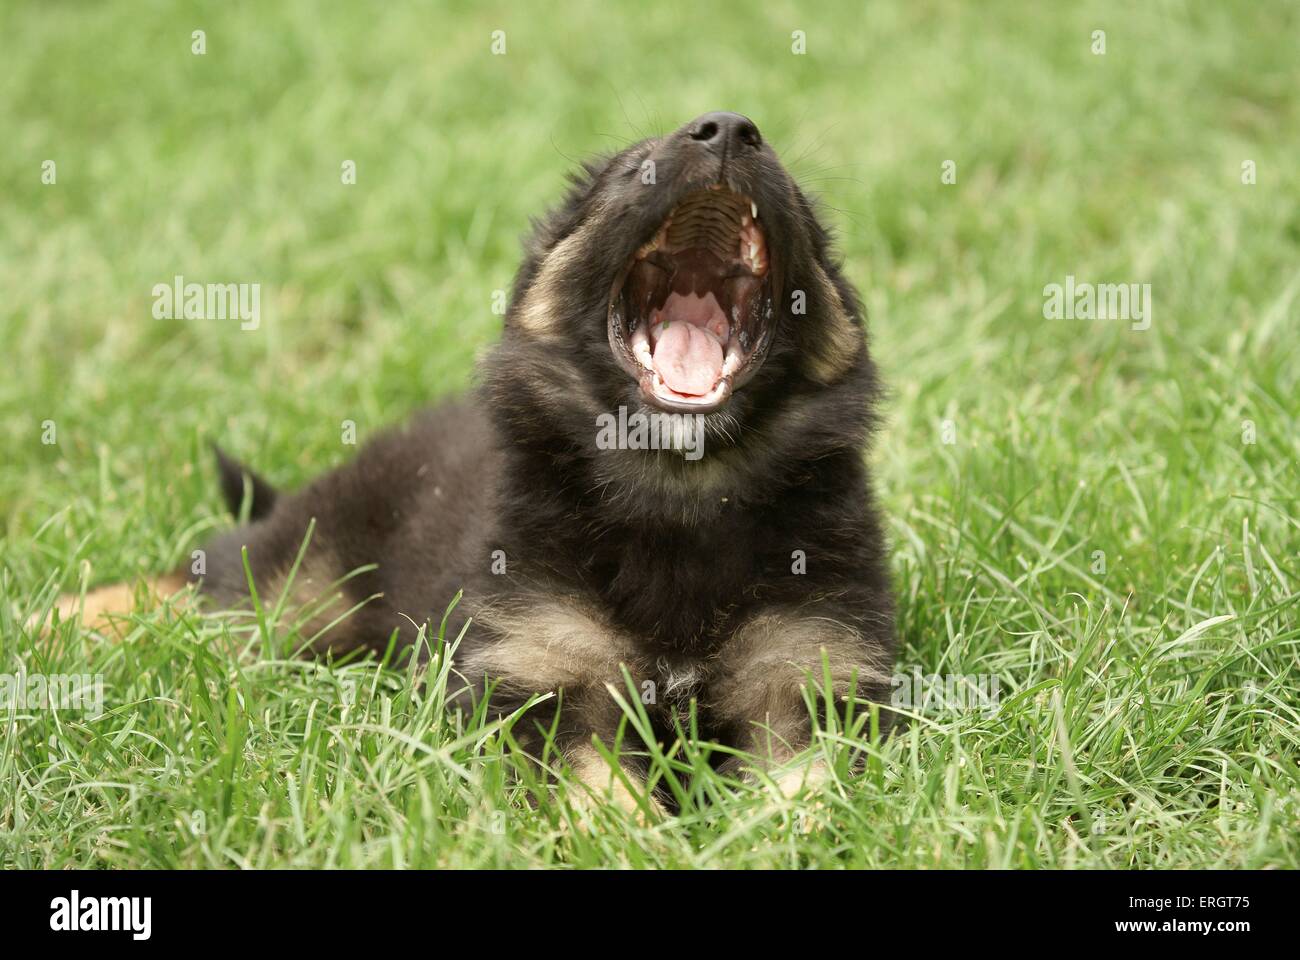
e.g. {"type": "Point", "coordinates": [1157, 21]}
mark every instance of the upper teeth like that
{"type": "Point", "coordinates": [753, 209]}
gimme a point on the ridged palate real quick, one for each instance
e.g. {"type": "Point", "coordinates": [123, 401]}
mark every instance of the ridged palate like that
{"type": "Point", "coordinates": [709, 219]}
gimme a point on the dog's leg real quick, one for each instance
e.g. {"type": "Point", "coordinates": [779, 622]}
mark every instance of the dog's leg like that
{"type": "Point", "coordinates": [593, 714]}
{"type": "Point", "coordinates": [601, 783]}
{"type": "Point", "coordinates": [541, 644]}
{"type": "Point", "coordinates": [763, 671]}
{"type": "Point", "coordinates": [104, 607]}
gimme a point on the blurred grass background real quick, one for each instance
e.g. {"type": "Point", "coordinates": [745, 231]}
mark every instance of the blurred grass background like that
{"type": "Point", "coordinates": [1072, 437]}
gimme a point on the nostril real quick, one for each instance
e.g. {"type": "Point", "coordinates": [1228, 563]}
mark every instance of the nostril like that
{"type": "Point", "coordinates": [749, 134]}
{"type": "Point", "coordinates": [705, 131]}
{"type": "Point", "coordinates": [725, 131]}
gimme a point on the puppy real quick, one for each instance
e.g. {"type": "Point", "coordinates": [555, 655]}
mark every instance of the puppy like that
{"type": "Point", "coordinates": [663, 469]}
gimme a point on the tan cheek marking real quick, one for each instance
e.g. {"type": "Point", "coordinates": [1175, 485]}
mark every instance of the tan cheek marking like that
{"type": "Point", "coordinates": [537, 313]}
{"type": "Point", "coordinates": [546, 644]}
{"type": "Point", "coordinates": [105, 606]}
{"type": "Point", "coordinates": [830, 354]}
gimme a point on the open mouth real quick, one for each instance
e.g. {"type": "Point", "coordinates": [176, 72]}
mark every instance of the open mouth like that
{"type": "Point", "coordinates": [691, 316]}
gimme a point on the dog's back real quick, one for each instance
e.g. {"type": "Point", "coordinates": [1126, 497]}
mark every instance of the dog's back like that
{"type": "Point", "coordinates": [418, 498]}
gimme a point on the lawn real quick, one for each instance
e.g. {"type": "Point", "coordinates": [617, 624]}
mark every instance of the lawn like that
{"type": "Point", "coordinates": [1100, 515]}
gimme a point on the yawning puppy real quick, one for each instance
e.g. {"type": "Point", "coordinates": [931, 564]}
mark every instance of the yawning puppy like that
{"type": "Point", "coordinates": [663, 469]}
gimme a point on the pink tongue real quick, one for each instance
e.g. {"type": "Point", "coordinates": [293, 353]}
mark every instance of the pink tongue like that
{"type": "Point", "coordinates": [687, 354]}
{"type": "Point", "coordinates": [688, 358]}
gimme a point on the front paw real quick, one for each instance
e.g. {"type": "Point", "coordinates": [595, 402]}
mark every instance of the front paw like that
{"type": "Point", "coordinates": [800, 789]}
{"type": "Point", "coordinates": [597, 785]}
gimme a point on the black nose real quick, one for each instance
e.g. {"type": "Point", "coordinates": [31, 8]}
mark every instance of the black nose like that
{"type": "Point", "coordinates": [729, 131]}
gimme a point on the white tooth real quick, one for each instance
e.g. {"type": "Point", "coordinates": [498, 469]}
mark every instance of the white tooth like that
{"type": "Point", "coordinates": [753, 208]}
{"type": "Point", "coordinates": [641, 347]}
{"type": "Point", "coordinates": [731, 363]}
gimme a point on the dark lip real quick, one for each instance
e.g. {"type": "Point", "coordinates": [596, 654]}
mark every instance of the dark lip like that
{"type": "Point", "coordinates": [730, 384]}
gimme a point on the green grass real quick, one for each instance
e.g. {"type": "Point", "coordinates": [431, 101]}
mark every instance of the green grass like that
{"type": "Point", "coordinates": [1149, 712]}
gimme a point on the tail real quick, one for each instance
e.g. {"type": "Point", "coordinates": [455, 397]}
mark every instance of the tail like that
{"type": "Point", "coordinates": [233, 476]}
{"type": "Point", "coordinates": [103, 608]}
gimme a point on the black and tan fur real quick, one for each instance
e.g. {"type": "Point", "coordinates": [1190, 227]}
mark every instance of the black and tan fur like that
{"type": "Point", "coordinates": [679, 570]}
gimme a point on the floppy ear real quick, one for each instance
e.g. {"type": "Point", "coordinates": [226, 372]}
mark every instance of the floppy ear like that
{"type": "Point", "coordinates": [557, 243]}
{"type": "Point", "coordinates": [541, 307]}
{"type": "Point", "coordinates": [830, 335]}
